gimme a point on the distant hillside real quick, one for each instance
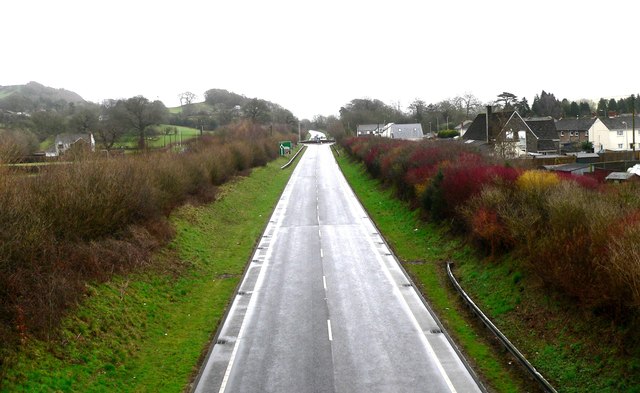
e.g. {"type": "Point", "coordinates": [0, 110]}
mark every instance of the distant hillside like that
{"type": "Point", "coordinates": [34, 96]}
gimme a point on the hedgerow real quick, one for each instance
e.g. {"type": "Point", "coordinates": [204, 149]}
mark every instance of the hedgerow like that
{"type": "Point", "coordinates": [86, 220]}
{"type": "Point", "coordinates": [578, 235]}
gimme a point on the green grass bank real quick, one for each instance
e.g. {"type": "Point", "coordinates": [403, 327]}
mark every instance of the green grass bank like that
{"type": "Point", "coordinates": [574, 350]}
{"type": "Point", "coordinates": [145, 332]}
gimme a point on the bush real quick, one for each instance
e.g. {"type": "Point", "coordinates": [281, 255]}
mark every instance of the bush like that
{"type": "Point", "coordinates": [88, 219]}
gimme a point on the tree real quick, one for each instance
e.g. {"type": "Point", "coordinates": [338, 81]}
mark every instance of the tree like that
{"type": "Point", "coordinates": [46, 123]}
{"type": "Point", "coordinates": [507, 100]}
{"type": "Point", "coordinates": [418, 109]}
{"type": "Point", "coordinates": [574, 110]}
{"type": "Point", "coordinates": [522, 107]}
{"type": "Point", "coordinates": [256, 111]}
{"type": "Point", "coordinates": [85, 119]}
{"type": "Point", "coordinates": [585, 108]}
{"type": "Point", "coordinates": [612, 105]}
{"type": "Point", "coordinates": [546, 104]}
{"type": "Point", "coordinates": [186, 98]}
{"type": "Point", "coordinates": [602, 107]}
{"type": "Point", "coordinates": [138, 113]}
{"type": "Point", "coordinates": [469, 103]}
{"type": "Point", "coordinates": [112, 123]}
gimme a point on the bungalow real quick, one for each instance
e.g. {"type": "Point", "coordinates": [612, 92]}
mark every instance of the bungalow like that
{"type": "Point", "coordinates": [64, 142]}
{"type": "Point", "coordinates": [403, 131]}
{"type": "Point", "coordinates": [512, 136]}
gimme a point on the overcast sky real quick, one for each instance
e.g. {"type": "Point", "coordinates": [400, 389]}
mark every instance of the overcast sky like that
{"type": "Point", "coordinates": [314, 56]}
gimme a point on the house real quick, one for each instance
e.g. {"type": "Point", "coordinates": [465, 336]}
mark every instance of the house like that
{"type": "Point", "coordinates": [622, 177]}
{"type": "Point", "coordinates": [511, 136]}
{"type": "Point", "coordinates": [368, 129]}
{"type": "Point", "coordinates": [617, 134]}
{"type": "Point", "coordinates": [575, 131]}
{"type": "Point", "coordinates": [411, 132]}
{"type": "Point", "coordinates": [64, 142]}
{"type": "Point", "coordinates": [544, 130]}
{"type": "Point", "coordinates": [463, 127]}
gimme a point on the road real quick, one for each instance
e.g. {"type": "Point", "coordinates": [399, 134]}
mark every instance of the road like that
{"type": "Point", "coordinates": [324, 306]}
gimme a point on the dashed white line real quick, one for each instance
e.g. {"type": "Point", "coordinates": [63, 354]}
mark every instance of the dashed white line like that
{"type": "Point", "coordinates": [321, 253]}
{"type": "Point", "coordinates": [324, 282]}
{"type": "Point", "coordinates": [329, 329]}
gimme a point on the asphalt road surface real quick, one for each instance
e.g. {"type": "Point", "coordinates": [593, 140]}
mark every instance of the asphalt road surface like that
{"type": "Point", "coordinates": [324, 306]}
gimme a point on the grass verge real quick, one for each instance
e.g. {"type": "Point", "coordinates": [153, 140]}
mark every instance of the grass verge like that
{"type": "Point", "coordinates": [423, 250]}
{"type": "Point", "coordinates": [145, 332]}
{"type": "Point", "coordinates": [575, 350]}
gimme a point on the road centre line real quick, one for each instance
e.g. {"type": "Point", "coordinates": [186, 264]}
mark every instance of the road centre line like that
{"type": "Point", "coordinates": [329, 329]}
{"type": "Point", "coordinates": [324, 282]}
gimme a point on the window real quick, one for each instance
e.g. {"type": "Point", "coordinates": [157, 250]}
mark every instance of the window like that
{"type": "Point", "coordinates": [509, 135]}
{"type": "Point", "coordinates": [561, 133]}
{"type": "Point", "coordinates": [620, 132]}
{"type": "Point", "coordinates": [586, 133]}
{"type": "Point", "coordinates": [619, 145]}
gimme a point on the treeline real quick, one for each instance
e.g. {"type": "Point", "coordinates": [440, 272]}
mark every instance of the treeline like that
{"type": "Point", "coordinates": [222, 107]}
{"type": "Point", "coordinates": [577, 235]}
{"type": "Point", "coordinates": [90, 219]}
{"type": "Point", "coordinates": [449, 113]}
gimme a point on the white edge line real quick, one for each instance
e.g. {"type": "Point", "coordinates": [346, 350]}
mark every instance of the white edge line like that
{"type": "Point", "coordinates": [413, 318]}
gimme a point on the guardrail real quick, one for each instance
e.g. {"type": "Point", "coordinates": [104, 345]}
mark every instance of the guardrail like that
{"type": "Point", "coordinates": [293, 158]}
{"type": "Point", "coordinates": [503, 339]}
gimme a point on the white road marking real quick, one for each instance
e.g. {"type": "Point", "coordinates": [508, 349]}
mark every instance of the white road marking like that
{"type": "Point", "coordinates": [324, 282]}
{"type": "Point", "coordinates": [321, 253]}
{"type": "Point", "coordinates": [329, 329]}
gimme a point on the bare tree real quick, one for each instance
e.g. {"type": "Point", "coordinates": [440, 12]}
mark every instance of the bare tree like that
{"type": "Point", "coordinates": [468, 103]}
{"type": "Point", "coordinates": [186, 98]}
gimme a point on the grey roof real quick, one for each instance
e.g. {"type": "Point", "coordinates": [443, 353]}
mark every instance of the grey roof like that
{"type": "Point", "coordinates": [368, 127]}
{"type": "Point", "coordinates": [464, 125]}
{"type": "Point", "coordinates": [478, 128]}
{"type": "Point", "coordinates": [544, 129]}
{"type": "Point", "coordinates": [620, 176]}
{"type": "Point", "coordinates": [407, 131]}
{"type": "Point", "coordinates": [617, 123]}
{"type": "Point", "coordinates": [582, 124]}
{"type": "Point", "coordinates": [566, 167]}
{"type": "Point", "coordinates": [68, 139]}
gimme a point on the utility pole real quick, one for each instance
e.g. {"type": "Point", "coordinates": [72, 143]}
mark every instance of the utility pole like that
{"type": "Point", "coordinates": [633, 124]}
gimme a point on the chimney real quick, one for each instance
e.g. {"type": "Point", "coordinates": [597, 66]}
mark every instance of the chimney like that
{"type": "Point", "coordinates": [487, 121]}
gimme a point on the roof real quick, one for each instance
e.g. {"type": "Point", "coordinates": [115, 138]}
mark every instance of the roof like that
{"type": "Point", "coordinates": [618, 123]}
{"type": "Point", "coordinates": [478, 128]}
{"type": "Point", "coordinates": [368, 127]}
{"type": "Point", "coordinates": [620, 176]}
{"type": "Point", "coordinates": [566, 167]}
{"type": "Point", "coordinates": [464, 125]}
{"type": "Point", "coordinates": [544, 129]}
{"type": "Point", "coordinates": [68, 139]}
{"type": "Point", "coordinates": [405, 131]}
{"type": "Point", "coordinates": [582, 124]}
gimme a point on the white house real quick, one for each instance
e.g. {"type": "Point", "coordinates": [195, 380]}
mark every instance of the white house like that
{"type": "Point", "coordinates": [64, 142]}
{"type": "Point", "coordinates": [411, 132]}
{"type": "Point", "coordinates": [615, 133]}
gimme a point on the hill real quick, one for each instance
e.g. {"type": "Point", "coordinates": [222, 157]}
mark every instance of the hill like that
{"type": "Point", "coordinates": [35, 96]}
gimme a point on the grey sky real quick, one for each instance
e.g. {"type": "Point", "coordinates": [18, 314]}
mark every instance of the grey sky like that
{"type": "Point", "coordinates": [314, 56]}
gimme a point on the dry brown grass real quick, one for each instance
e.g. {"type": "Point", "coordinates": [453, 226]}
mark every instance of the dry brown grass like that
{"type": "Point", "coordinates": [95, 217]}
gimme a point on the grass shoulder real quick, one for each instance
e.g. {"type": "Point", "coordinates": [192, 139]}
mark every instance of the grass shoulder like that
{"type": "Point", "coordinates": [147, 331]}
{"type": "Point", "coordinates": [424, 249]}
{"type": "Point", "coordinates": [575, 350]}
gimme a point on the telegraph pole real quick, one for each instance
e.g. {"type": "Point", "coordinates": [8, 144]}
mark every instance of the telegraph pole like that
{"type": "Point", "coordinates": [633, 124]}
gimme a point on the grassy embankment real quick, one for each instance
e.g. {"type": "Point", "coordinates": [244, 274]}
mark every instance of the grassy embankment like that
{"type": "Point", "coordinates": [576, 351]}
{"type": "Point", "coordinates": [423, 250]}
{"type": "Point", "coordinates": [146, 331]}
